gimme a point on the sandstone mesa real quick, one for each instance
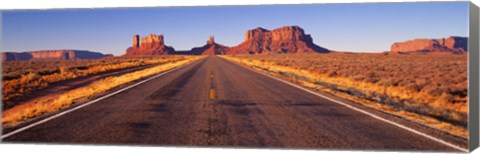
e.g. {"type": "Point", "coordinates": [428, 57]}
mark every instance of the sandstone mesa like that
{"type": "Point", "coordinates": [149, 45]}
{"type": "Point", "coordinates": [287, 39]}
{"type": "Point", "coordinates": [453, 44]}
{"type": "Point", "coordinates": [52, 55]}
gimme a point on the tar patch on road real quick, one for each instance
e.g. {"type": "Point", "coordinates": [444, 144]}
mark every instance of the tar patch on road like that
{"type": "Point", "coordinates": [235, 103]}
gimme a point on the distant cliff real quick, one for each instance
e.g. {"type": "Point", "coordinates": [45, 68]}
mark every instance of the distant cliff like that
{"type": "Point", "coordinates": [52, 55]}
{"type": "Point", "coordinates": [452, 44]}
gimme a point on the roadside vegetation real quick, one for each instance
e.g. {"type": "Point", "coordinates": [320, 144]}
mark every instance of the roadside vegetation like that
{"type": "Point", "coordinates": [429, 89]}
{"type": "Point", "coordinates": [57, 102]}
{"type": "Point", "coordinates": [22, 77]}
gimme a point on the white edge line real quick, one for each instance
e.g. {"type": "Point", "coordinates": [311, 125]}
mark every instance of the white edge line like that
{"type": "Point", "coordinates": [83, 105]}
{"type": "Point", "coordinates": [367, 113]}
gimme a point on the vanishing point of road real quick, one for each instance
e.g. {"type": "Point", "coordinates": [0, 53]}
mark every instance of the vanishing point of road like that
{"type": "Point", "coordinates": [214, 102]}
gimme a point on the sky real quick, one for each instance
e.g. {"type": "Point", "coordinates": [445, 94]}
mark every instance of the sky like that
{"type": "Point", "coordinates": [367, 27]}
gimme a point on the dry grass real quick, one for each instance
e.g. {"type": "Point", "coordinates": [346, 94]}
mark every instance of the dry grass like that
{"type": "Point", "coordinates": [430, 89]}
{"type": "Point", "coordinates": [54, 103]}
{"type": "Point", "coordinates": [23, 77]}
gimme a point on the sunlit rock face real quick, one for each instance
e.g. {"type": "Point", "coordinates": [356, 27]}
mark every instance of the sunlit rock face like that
{"type": "Point", "coordinates": [288, 39]}
{"type": "Point", "coordinates": [149, 45]}
{"type": "Point", "coordinates": [451, 44]}
{"type": "Point", "coordinates": [52, 55]}
{"type": "Point", "coordinates": [211, 48]}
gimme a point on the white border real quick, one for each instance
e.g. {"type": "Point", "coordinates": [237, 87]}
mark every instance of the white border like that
{"type": "Point", "coordinates": [48, 4]}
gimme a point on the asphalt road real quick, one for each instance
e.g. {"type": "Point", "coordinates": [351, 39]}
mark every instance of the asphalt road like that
{"type": "Point", "coordinates": [213, 102]}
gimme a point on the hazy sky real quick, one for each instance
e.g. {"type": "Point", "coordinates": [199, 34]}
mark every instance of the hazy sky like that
{"type": "Point", "coordinates": [365, 27]}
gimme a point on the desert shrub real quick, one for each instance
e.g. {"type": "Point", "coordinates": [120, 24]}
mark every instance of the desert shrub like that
{"type": "Point", "coordinates": [22, 77]}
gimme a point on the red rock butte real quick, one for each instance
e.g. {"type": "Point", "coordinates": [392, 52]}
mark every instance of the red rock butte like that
{"type": "Point", "coordinates": [456, 45]}
{"type": "Point", "coordinates": [288, 39]}
{"type": "Point", "coordinates": [211, 48]}
{"type": "Point", "coordinates": [149, 45]}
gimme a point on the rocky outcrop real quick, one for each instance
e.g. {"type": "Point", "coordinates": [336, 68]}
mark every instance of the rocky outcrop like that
{"type": "Point", "coordinates": [52, 55]}
{"type": "Point", "coordinates": [288, 39]}
{"type": "Point", "coordinates": [149, 45]}
{"type": "Point", "coordinates": [211, 48]}
{"type": "Point", "coordinates": [452, 44]}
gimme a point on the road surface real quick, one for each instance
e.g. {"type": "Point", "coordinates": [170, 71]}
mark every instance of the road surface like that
{"type": "Point", "coordinates": [214, 102]}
